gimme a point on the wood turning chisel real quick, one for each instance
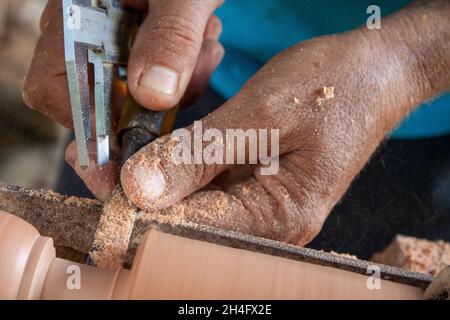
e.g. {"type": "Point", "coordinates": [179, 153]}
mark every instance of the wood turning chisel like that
{"type": "Point", "coordinates": [101, 33]}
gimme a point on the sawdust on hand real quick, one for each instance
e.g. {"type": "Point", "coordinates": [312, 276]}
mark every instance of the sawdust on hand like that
{"type": "Point", "coordinates": [325, 93]}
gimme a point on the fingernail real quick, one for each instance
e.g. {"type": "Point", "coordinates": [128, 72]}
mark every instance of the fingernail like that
{"type": "Point", "coordinates": [152, 182]}
{"type": "Point", "coordinates": [160, 79]}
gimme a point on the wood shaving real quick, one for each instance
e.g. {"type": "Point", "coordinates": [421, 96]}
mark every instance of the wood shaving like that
{"type": "Point", "coordinates": [325, 93]}
{"type": "Point", "coordinates": [114, 232]}
{"type": "Point", "coordinates": [415, 254]}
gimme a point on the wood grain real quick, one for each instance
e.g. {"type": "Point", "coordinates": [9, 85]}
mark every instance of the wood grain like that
{"type": "Point", "coordinates": [172, 267]}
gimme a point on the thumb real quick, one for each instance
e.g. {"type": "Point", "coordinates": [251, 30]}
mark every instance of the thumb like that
{"type": "Point", "coordinates": [166, 50]}
{"type": "Point", "coordinates": [156, 177]}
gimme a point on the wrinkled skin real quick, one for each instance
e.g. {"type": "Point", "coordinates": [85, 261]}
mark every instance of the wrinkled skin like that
{"type": "Point", "coordinates": [379, 76]}
{"type": "Point", "coordinates": [46, 89]}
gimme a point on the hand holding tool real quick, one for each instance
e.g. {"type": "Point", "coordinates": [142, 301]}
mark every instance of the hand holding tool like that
{"type": "Point", "coordinates": [97, 33]}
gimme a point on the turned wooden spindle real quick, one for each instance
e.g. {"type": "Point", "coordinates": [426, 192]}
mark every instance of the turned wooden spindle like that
{"type": "Point", "coordinates": [29, 268]}
{"type": "Point", "coordinates": [172, 267]}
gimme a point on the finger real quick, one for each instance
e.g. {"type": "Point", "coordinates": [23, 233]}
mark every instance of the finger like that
{"type": "Point", "coordinates": [210, 57]}
{"type": "Point", "coordinates": [152, 179]}
{"type": "Point", "coordinates": [293, 204]}
{"type": "Point", "coordinates": [286, 206]}
{"type": "Point", "coordinates": [101, 181]}
{"type": "Point", "coordinates": [45, 87]}
{"type": "Point", "coordinates": [166, 51]}
{"type": "Point", "coordinates": [213, 208]}
{"type": "Point", "coordinates": [213, 29]}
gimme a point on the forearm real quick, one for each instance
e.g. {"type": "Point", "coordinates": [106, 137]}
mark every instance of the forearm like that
{"type": "Point", "coordinates": [407, 62]}
{"type": "Point", "coordinates": [430, 21]}
{"type": "Point", "coordinates": [419, 36]}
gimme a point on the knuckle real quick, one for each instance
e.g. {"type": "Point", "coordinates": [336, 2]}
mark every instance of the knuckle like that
{"type": "Point", "coordinates": [269, 101]}
{"type": "Point", "coordinates": [178, 35]}
{"type": "Point", "coordinates": [268, 110]}
{"type": "Point", "coordinates": [297, 218]}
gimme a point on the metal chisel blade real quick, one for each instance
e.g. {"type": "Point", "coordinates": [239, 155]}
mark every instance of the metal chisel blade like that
{"type": "Point", "coordinates": [96, 32]}
{"type": "Point", "coordinates": [79, 98]}
{"type": "Point", "coordinates": [103, 75]}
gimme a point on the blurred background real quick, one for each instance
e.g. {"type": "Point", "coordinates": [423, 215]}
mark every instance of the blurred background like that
{"type": "Point", "coordinates": [31, 146]}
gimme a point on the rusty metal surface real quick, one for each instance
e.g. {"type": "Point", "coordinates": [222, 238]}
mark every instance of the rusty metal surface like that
{"type": "Point", "coordinates": [73, 222]}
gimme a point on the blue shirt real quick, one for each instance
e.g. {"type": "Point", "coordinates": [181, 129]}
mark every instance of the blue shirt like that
{"type": "Point", "coordinates": [256, 30]}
